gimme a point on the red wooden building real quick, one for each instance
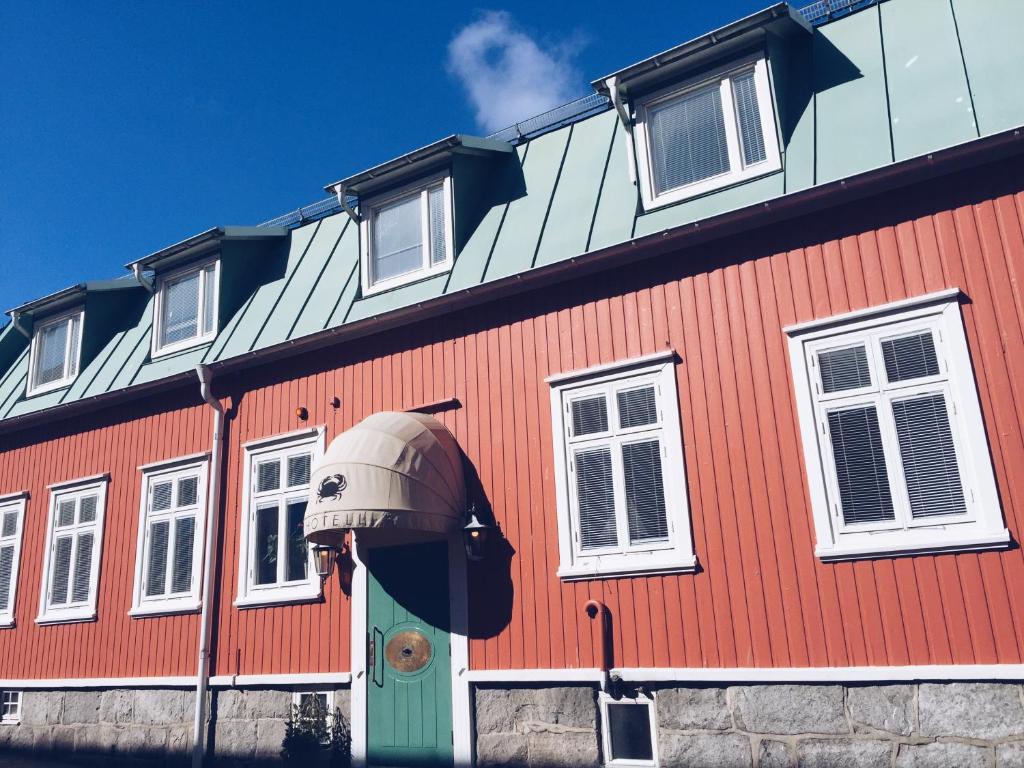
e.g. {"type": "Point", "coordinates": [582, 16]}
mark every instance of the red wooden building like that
{"type": "Point", "coordinates": [725, 360]}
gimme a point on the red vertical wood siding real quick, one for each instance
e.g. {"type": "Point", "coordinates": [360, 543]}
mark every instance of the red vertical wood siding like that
{"type": "Point", "coordinates": [761, 598]}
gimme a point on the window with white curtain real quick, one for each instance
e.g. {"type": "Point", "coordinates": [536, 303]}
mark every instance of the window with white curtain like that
{"type": "Point", "coordinates": [171, 528]}
{"type": "Point", "coordinates": [186, 307]}
{"type": "Point", "coordinates": [12, 517]}
{"type": "Point", "coordinates": [895, 446]}
{"type": "Point", "coordinates": [56, 346]}
{"type": "Point", "coordinates": [275, 564]}
{"type": "Point", "coordinates": [407, 235]}
{"type": "Point", "coordinates": [622, 483]}
{"type": "Point", "coordinates": [10, 707]}
{"type": "Point", "coordinates": [73, 542]}
{"type": "Point", "coordinates": [706, 134]}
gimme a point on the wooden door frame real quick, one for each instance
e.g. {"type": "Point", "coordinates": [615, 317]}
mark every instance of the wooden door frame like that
{"type": "Point", "coordinates": [462, 718]}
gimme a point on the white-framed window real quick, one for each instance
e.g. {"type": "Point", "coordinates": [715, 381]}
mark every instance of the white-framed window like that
{"type": "Point", "coordinates": [172, 523]}
{"type": "Point", "coordinates": [407, 235]}
{"type": "Point", "coordinates": [706, 133]}
{"type": "Point", "coordinates": [620, 474]}
{"type": "Point", "coordinates": [74, 538]}
{"type": "Point", "coordinates": [12, 520]}
{"type": "Point", "coordinates": [276, 565]}
{"type": "Point", "coordinates": [55, 352]}
{"type": "Point", "coordinates": [185, 310]}
{"type": "Point", "coordinates": [896, 453]}
{"type": "Point", "coordinates": [312, 705]}
{"type": "Point", "coordinates": [629, 730]}
{"type": "Point", "coordinates": [10, 707]}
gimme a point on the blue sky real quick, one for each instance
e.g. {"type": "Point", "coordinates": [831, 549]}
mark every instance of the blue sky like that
{"type": "Point", "coordinates": [125, 127]}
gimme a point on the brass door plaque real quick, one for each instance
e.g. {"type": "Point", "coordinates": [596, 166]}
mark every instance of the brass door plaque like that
{"type": "Point", "coordinates": [408, 651]}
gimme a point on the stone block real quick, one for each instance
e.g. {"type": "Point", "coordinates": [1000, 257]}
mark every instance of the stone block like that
{"type": "Point", "coordinates": [705, 750]}
{"type": "Point", "coordinates": [572, 706]}
{"type": "Point", "coordinates": [233, 704]}
{"type": "Point", "coordinates": [269, 736]}
{"type": "Point", "coordinates": [844, 753]}
{"type": "Point", "coordinates": [343, 701]}
{"type": "Point", "coordinates": [971, 710]}
{"type": "Point", "coordinates": [688, 709]}
{"type": "Point", "coordinates": [63, 738]}
{"type": "Point", "coordinates": [179, 739]}
{"type": "Point", "coordinates": [270, 704]}
{"type": "Point", "coordinates": [96, 740]}
{"type": "Point", "coordinates": [159, 707]}
{"type": "Point", "coordinates": [81, 707]}
{"type": "Point", "coordinates": [142, 741]}
{"type": "Point", "coordinates": [883, 707]}
{"type": "Point", "coordinates": [22, 738]}
{"type": "Point", "coordinates": [570, 749]}
{"type": "Point", "coordinates": [235, 738]}
{"type": "Point", "coordinates": [943, 755]}
{"type": "Point", "coordinates": [501, 750]}
{"type": "Point", "coordinates": [41, 707]}
{"type": "Point", "coordinates": [116, 706]}
{"type": "Point", "coordinates": [1010, 755]}
{"type": "Point", "coordinates": [774, 754]}
{"type": "Point", "coordinates": [790, 709]}
{"type": "Point", "coordinates": [495, 711]}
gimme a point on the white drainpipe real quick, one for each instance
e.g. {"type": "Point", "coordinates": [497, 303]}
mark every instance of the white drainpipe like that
{"type": "Point", "coordinates": [212, 514]}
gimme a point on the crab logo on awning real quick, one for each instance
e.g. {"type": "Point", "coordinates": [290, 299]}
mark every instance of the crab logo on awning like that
{"type": "Point", "coordinates": [331, 487]}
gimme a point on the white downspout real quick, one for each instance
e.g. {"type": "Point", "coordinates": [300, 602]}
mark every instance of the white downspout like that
{"type": "Point", "coordinates": [212, 514]}
{"type": "Point", "coordinates": [141, 279]}
{"type": "Point", "coordinates": [612, 84]}
{"type": "Point", "coordinates": [342, 193]}
{"type": "Point", "coordinates": [16, 321]}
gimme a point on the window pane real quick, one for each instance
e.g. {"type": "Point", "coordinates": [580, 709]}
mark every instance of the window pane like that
{"type": "Point", "coordinates": [87, 509]}
{"type": "Point", "coordinates": [156, 569]}
{"type": "Point", "coordinates": [589, 416]}
{"type": "Point", "coordinates": [843, 369]}
{"type": "Point", "coordinates": [181, 570]}
{"type": "Point", "coordinates": [749, 118]}
{"type": "Point", "coordinates": [61, 570]}
{"type": "Point", "coordinates": [266, 544]}
{"type": "Point", "coordinates": [929, 459]}
{"type": "Point", "coordinates": [438, 241]}
{"type": "Point", "coordinates": [637, 407]}
{"type": "Point", "coordinates": [210, 288]}
{"type": "Point", "coordinates": [10, 524]}
{"type": "Point", "coordinates": [83, 568]}
{"type": "Point", "coordinates": [161, 496]}
{"type": "Point", "coordinates": [629, 726]}
{"type": "Point", "coordinates": [66, 512]}
{"type": "Point", "coordinates": [51, 352]}
{"type": "Point", "coordinates": [910, 357]}
{"type": "Point", "coordinates": [645, 492]}
{"type": "Point", "coordinates": [180, 309]}
{"type": "Point", "coordinates": [860, 465]}
{"type": "Point", "coordinates": [6, 564]}
{"type": "Point", "coordinates": [397, 239]}
{"type": "Point", "coordinates": [687, 138]}
{"type": "Point", "coordinates": [596, 497]}
{"type": "Point", "coordinates": [268, 475]}
{"type": "Point", "coordinates": [188, 488]}
{"type": "Point", "coordinates": [297, 549]}
{"type": "Point", "coordinates": [298, 470]}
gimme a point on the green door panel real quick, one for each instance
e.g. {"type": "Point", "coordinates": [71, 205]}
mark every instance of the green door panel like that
{"type": "Point", "coordinates": [409, 686]}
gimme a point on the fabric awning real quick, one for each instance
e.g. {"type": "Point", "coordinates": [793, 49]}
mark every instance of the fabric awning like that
{"type": "Point", "coordinates": [391, 470]}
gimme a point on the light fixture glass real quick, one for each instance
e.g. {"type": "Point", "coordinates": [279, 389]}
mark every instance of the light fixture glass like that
{"type": "Point", "coordinates": [475, 535]}
{"type": "Point", "coordinates": [323, 560]}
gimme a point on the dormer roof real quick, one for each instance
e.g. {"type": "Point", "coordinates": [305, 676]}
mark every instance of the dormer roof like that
{"type": "Point", "coordinates": [199, 244]}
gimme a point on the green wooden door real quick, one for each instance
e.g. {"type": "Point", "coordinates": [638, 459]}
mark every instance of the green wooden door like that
{"type": "Point", "coordinates": [409, 686]}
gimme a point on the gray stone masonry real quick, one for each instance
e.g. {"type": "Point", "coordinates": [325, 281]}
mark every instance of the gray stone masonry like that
{"type": "Point", "coordinates": [929, 725]}
{"type": "Point", "coordinates": [92, 726]}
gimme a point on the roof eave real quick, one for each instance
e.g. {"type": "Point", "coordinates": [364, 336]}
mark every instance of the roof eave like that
{"type": "Point", "coordinates": [197, 244]}
{"type": "Point", "coordinates": [73, 294]}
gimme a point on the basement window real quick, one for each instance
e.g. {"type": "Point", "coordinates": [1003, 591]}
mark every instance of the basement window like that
{"type": "Point", "coordinates": [10, 707]}
{"type": "Point", "coordinates": [407, 235]}
{"type": "Point", "coordinates": [186, 307]}
{"type": "Point", "coordinates": [706, 134]}
{"type": "Point", "coordinates": [56, 344]}
{"type": "Point", "coordinates": [629, 731]}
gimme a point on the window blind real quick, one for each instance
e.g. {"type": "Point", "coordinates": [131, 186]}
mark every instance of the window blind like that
{"type": "Point", "coordinates": [863, 480]}
{"type": "Point", "coordinates": [637, 407]}
{"type": "Point", "coordinates": [589, 416]}
{"type": "Point", "coordinates": [397, 239]}
{"type": "Point", "coordinates": [66, 512]}
{"type": "Point", "coordinates": [843, 369]}
{"type": "Point", "coordinates": [180, 303]}
{"type": "Point", "coordinates": [688, 140]}
{"type": "Point", "coordinates": [929, 456]}
{"type": "Point", "coordinates": [188, 488]}
{"type": "Point", "coordinates": [298, 470]}
{"type": "Point", "coordinates": [181, 569]}
{"type": "Point", "coordinates": [645, 492]}
{"type": "Point", "coordinates": [910, 357]}
{"type": "Point", "coordinates": [268, 475]}
{"type": "Point", "coordinates": [87, 509]}
{"type": "Point", "coordinates": [61, 570]}
{"type": "Point", "coordinates": [209, 296]}
{"type": "Point", "coordinates": [83, 567]}
{"type": "Point", "coordinates": [438, 239]}
{"type": "Point", "coordinates": [596, 498]}
{"type": "Point", "coordinates": [156, 571]}
{"type": "Point", "coordinates": [52, 352]}
{"type": "Point", "coordinates": [749, 118]}
{"type": "Point", "coordinates": [161, 496]}
{"type": "Point", "coordinates": [6, 568]}
{"type": "Point", "coordinates": [10, 524]}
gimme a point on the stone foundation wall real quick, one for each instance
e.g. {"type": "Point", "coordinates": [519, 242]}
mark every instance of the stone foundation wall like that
{"type": "Point", "coordinates": [768, 726]}
{"type": "Point", "coordinates": [155, 723]}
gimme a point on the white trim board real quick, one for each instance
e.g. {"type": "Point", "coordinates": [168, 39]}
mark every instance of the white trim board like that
{"type": "Point", "coordinates": [217, 681]}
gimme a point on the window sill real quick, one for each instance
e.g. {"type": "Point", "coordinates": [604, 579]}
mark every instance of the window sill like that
{"type": "Point", "coordinates": [53, 386]}
{"type": "Point", "coordinates": [165, 609]}
{"type": "Point", "coordinates": [894, 547]}
{"type": "Point", "coordinates": [407, 279]}
{"type": "Point", "coordinates": [7, 623]}
{"type": "Point", "coordinates": [279, 598]}
{"type": "Point", "coordinates": [180, 347]}
{"type": "Point", "coordinates": [67, 617]}
{"type": "Point", "coordinates": [619, 568]}
{"type": "Point", "coordinates": [712, 186]}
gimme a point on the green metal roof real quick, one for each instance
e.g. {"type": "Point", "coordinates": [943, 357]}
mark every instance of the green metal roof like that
{"type": "Point", "coordinates": [894, 81]}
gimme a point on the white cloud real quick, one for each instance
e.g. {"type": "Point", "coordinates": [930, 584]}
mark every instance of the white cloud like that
{"type": "Point", "coordinates": [507, 75]}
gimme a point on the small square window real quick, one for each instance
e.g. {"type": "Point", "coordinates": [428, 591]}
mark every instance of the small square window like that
{"type": "Point", "coordinates": [407, 236]}
{"type": "Point", "coordinates": [315, 707]}
{"type": "Point", "coordinates": [629, 731]}
{"type": "Point", "coordinates": [56, 344]}
{"type": "Point", "coordinates": [10, 707]}
{"type": "Point", "coordinates": [186, 308]}
{"type": "Point", "coordinates": [706, 134]}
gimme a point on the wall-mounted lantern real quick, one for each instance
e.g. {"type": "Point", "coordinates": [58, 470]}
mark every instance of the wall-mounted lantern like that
{"type": "Point", "coordinates": [475, 535]}
{"type": "Point", "coordinates": [323, 560]}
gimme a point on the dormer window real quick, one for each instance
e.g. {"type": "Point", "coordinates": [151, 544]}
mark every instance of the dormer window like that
{"type": "Point", "coordinates": [706, 134]}
{"type": "Point", "coordinates": [407, 236]}
{"type": "Point", "coordinates": [56, 344]}
{"type": "Point", "coordinates": [186, 308]}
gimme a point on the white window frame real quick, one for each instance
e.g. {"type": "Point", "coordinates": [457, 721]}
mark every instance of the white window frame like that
{"type": "Point", "coordinates": [738, 172]}
{"type": "Point", "coordinates": [982, 527]}
{"type": "Point", "coordinates": [85, 611]}
{"type": "Point", "coordinates": [156, 348]}
{"type": "Point", "coordinates": [369, 211]}
{"type": "Point", "coordinates": [12, 502]}
{"type": "Point", "coordinates": [251, 595]}
{"type": "Point", "coordinates": [65, 380]}
{"type": "Point", "coordinates": [329, 694]}
{"type": "Point", "coordinates": [677, 554]}
{"type": "Point", "coordinates": [173, 470]}
{"type": "Point", "coordinates": [10, 719]}
{"type": "Point", "coordinates": [640, 700]}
